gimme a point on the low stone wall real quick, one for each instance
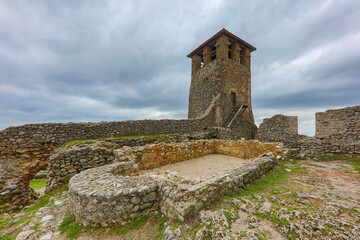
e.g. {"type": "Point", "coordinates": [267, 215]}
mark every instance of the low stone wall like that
{"type": "Point", "coordinates": [156, 155]}
{"type": "Point", "coordinates": [102, 196]}
{"type": "Point", "coordinates": [179, 203]}
{"type": "Point", "coordinates": [106, 195]}
{"type": "Point", "coordinates": [67, 162]}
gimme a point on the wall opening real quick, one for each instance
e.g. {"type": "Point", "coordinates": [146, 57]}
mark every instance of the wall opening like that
{"type": "Point", "coordinates": [213, 53]}
{"type": "Point", "coordinates": [233, 98]}
{"type": "Point", "coordinates": [38, 183]}
{"type": "Point", "coordinates": [229, 50]}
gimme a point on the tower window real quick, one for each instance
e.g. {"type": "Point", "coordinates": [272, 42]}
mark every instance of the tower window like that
{"type": "Point", "coordinates": [229, 51]}
{"type": "Point", "coordinates": [213, 53]}
{"type": "Point", "coordinates": [233, 98]}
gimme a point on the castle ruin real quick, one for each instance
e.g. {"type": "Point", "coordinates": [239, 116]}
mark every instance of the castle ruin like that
{"type": "Point", "coordinates": [219, 104]}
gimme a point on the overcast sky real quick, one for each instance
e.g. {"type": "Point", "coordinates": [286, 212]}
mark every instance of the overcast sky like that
{"type": "Point", "coordinates": [91, 61]}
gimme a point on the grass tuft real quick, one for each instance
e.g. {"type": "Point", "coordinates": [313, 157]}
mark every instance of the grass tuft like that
{"type": "Point", "coordinates": [272, 179]}
{"type": "Point", "coordinates": [71, 227]}
{"type": "Point", "coordinates": [42, 202]}
{"type": "Point", "coordinates": [36, 184]}
{"type": "Point", "coordinates": [93, 140]}
{"type": "Point", "coordinates": [135, 224]}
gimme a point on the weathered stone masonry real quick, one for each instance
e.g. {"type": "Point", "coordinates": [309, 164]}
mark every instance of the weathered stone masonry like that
{"type": "Point", "coordinates": [337, 131]}
{"type": "Point", "coordinates": [25, 150]}
{"type": "Point", "coordinates": [221, 69]}
{"type": "Point", "coordinates": [110, 194]}
{"type": "Point", "coordinates": [68, 161]}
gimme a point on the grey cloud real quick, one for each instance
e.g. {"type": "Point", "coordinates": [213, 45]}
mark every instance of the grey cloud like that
{"type": "Point", "coordinates": [114, 60]}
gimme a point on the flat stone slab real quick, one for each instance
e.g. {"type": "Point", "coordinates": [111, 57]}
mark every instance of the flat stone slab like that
{"type": "Point", "coordinates": [47, 236]}
{"type": "Point", "coordinates": [24, 235]}
{"type": "Point", "coordinates": [47, 218]}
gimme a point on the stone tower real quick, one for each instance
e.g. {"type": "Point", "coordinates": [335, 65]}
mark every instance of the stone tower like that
{"type": "Point", "coordinates": [221, 79]}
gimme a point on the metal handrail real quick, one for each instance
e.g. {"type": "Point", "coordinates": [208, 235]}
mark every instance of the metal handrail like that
{"type": "Point", "coordinates": [236, 114]}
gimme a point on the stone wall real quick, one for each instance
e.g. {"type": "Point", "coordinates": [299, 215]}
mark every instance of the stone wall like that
{"type": "Point", "coordinates": [337, 131]}
{"type": "Point", "coordinates": [343, 122]}
{"type": "Point", "coordinates": [25, 150]}
{"type": "Point", "coordinates": [67, 162]}
{"type": "Point", "coordinates": [278, 128]}
{"type": "Point", "coordinates": [156, 155]}
{"type": "Point", "coordinates": [114, 193]}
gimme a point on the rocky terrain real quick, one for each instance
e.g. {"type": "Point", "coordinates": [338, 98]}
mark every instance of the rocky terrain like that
{"type": "Point", "coordinates": [304, 199]}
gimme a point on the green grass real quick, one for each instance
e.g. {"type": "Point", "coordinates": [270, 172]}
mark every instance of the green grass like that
{"type": "Point", "coordinates": [272, 217]}
{"type": "Point", "coordinates": [135, 224]}
{"type": "Point", "coordinates": [70, 227]}
{"type": "Point", "coordinates": [4, 236]}
{"type": "Point", "coordinates": [41, 202]}
{"type": "Point", "coordinates": [228, 216]}
{"type": "Point", "coordinates": [272, 179]}
{"type": "Point", "coordinates": [36, 226]}
{"type": "Point", "coordinates": [93, 140]}
{"type": "Point", "coordinates": [355, 162]}
{"type": "Point", "coordinates": [4, 222]}
{"type": "Point", "coordinates": [36, 184]}
{"type": "Point", "coordinates": [350, 210]}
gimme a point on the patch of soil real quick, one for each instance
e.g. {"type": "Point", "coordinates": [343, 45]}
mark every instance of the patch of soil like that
{"type": "Point", "coordinates": [202, 168]}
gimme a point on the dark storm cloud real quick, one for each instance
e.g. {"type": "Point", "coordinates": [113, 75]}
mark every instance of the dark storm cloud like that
{"type": "Point", "coordinates": [114, 60]}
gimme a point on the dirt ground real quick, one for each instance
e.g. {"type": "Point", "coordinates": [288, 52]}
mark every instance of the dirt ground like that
{"type": "Point", "coordinates": [201, 168]}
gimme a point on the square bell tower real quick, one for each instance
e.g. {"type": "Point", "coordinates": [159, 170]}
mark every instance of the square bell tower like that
{"type": "Point", "coordinates": [221, 79]}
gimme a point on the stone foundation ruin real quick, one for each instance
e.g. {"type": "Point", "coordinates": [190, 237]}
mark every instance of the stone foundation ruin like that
{"type": "Point", "coordinates": [121, 191]}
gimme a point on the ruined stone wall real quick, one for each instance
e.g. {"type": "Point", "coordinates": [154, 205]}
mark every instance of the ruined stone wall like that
{"type": "Point", "coordinates": [278, 128]}
{"type": "Point", "coordinates": [344, 122]}
{"type": "Point", "coordinates": [103, 196]}
{"type": "Point", "coordinates": [25, 150]}
{"type": "Point", "coordinates": [337, 131]}
{"type": "Point", "coordinates": [116, 192]}
{"type": "Point", "coordinates": [157, 155]}
{"type": "Point", "coordinates": [67, 162]}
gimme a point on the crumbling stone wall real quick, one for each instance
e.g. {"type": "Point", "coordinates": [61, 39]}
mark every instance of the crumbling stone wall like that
{"type": "Point", "coordinates": [67, 162]}
{"type": "Point", "coordinates": [278, 128]}
{"type": "Point", "coordinates": [114, 193]}
{"type": "Point", "coordinates": [337, 131]}
{"type": "Point", "coordinates": [25, 150]}
{"type": "Point", "coordinates": [157, 155]}
{"type": "Point", "coordinates": [343, 122]}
